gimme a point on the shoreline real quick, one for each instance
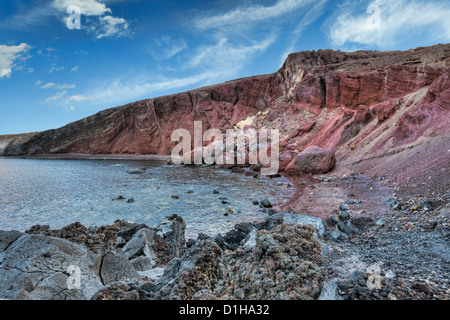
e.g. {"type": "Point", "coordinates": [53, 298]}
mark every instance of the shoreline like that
{"type": "Point", "coordinates": [365, 227]}
{"type": "Point", "coordinates": [86, 156]}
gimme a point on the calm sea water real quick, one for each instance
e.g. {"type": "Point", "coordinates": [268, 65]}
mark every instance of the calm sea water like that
{"type": "Point", "coordinates": [60, 192]}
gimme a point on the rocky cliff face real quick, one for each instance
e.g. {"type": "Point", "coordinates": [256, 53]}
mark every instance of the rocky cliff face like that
{"type": "Point", "coordinates": [363, 105]}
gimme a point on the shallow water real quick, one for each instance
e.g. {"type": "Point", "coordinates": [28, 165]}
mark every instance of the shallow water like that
{"type": "Point", "coordinates": [60, 192]}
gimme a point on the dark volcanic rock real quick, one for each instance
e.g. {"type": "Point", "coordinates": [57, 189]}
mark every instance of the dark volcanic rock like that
{"type": "Point", "coordinates": [97, 239]}
{"type": "Point", "coordinates": [283, 264]}
{"type": "Point", "coordinates": [116, 267]}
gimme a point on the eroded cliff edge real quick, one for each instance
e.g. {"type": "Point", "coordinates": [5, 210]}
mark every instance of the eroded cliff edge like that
{"type": "Point", "coordinates": [381, 112]}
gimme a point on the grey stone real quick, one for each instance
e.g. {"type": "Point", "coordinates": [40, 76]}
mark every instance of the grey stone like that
{"type": "Point", "coordinates": [337, 235]}
{"type": "Point", "coordinates": [250, 241]}
{"type": "Point", "coordinates": [357, 276]}
{"type": "Point", "coordinates": [298, 219]}
{"type": "Point", "coordinates": [347, 228]}
{"type": "Point", "coordinates": [362, 223]}
{"type": "Point", "coordinates": [251, 174]}
{"type": "Point", "coordinates": [129, 232]}
{"type": "Point", "coordinates": [266, 203]}
{"type": "Point", "coordinates": [141, 244]}
{"type": "Point", "coordinates": [330, 291]}
{"type": "Point", "coordinates": [153, 274]}
{"type": "Point", "coordinates": [344, 216]}
{"type": "Point", "coordinates": [380, 223]}
{"type": "Point", "coordinates": [238, 170]}
{"type": "Point", "coordinates": [116, 267]}
{"type": "Point", "coordinates": [35, 267]}
{"type": "Point", "coordinates": [142, 263]}
{"type": "Point", "coordinates": [7, 238]}
{"type": "Point", "coordinates": [173, 232]}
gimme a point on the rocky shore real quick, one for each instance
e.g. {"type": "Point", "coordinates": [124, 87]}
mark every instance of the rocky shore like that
{"type": "Point", "coordinates": [271, 260]}
{"type": "Point", "coordinates": [403, 255]}
{"type": "Point", "coordinates": [364, 137]}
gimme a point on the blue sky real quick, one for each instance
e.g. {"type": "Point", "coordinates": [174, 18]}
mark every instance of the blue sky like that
{"type": "Point", "coordinates": [127, 50]}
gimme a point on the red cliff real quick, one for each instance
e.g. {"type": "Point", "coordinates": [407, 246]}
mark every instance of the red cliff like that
{"type": "Point", "coordinates": [363, 105]}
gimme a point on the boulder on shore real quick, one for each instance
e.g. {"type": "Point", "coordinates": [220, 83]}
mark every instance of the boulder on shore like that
{"type": "Point", "coordinates": [313, 160]}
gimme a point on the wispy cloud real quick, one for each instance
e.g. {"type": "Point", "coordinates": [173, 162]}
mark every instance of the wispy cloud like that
{"type": "Point", "coordinates": [56, 97]}
{"type": "Point", "coordinates": [312, 15]}
{"type": "Point", "coordinates": [121, 90]}
{"type": "Point", "coordinates": [9, 56]}
{"type": "Point", "coordinates": [249, 14]}
{"type": "Point", "coordinates": [226, 55]}
{"type": "Point", "coordinates": [61, 88]}
{"type": "Point", "coordinates": [28, 18]}
{"type": "Point", "coordinates": [167, 47]}
{"type": "Point", "coordinates": [400, 20]}
{"type": "Point", "coordinates": [55, 68]}
{"type": "Point", "coordinates": [79, 98]}
{"type": "Point", "coordinates": [48, 85]}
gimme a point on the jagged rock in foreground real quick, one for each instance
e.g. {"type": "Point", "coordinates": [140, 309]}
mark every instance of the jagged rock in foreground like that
{"type": "Point", "coordinates": [37, 264]}
{"type": "Point", "coordinates": [35, 267]}
{"type": "Point", "coordinates": [281, 263]}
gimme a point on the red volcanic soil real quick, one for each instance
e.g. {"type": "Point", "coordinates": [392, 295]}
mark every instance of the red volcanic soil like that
{"type": "Point", "coordinates": [382, 113]}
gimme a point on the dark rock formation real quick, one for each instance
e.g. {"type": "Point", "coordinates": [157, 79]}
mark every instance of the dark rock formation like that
{"type": "Point", "coordinates": [283, 264]}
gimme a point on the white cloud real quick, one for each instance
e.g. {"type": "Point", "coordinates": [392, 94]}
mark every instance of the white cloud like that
{"type": "Point", "coordinates": [78, 98]}
{"type": "Point", "coordinates": [225, 56]}
{"type": "Point", "coordinates": [38, 83]}
{"type": "Point", "coordinates": [55, 68]}
{"type": "Point", "coordinates": [56, 97]}
{"type": "Point", "coordinates": [88, 7]}
{"type": "Point", "coordinates": [168, 48]}
{"type": "Point", "coordinates": [34, 16]}
{"type": "Point", "coordinates": [65, 86]}
{"type": "Point", "coordinates": [56, 86]}
{"type": "Point", "coordinates": [249, 14]}
{"type": "Point", "coordinates": [48, 85]}
{"type": "Point", "coordinates": [312, 15]}
{"type": "Point", "coordinates": [74, 69]}
{"type": "Point", "coordinates": [8, 57]}
{"type": "Point", "coordinates": [102, 23]}
{"type": "Point", "coordinates": [400, 20]}
{"type": "Point", "coordinates": [112, 27]}
{"type": "Point", "coordinates": [123, 90]}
